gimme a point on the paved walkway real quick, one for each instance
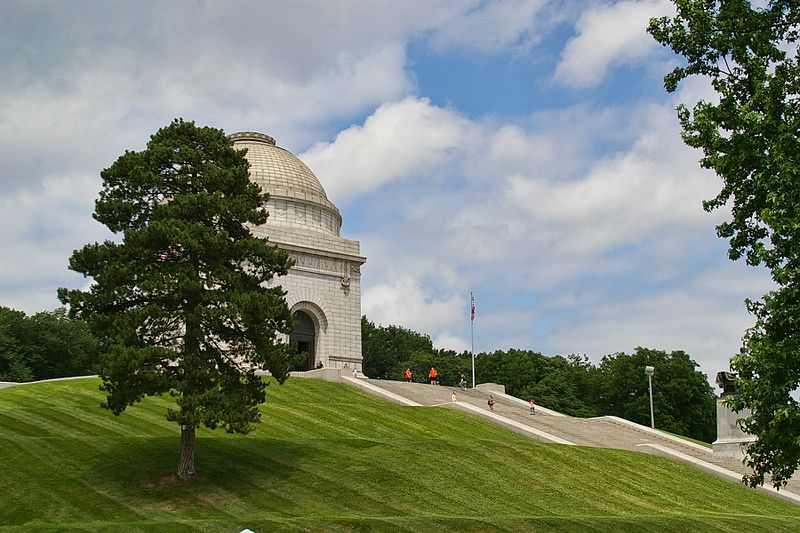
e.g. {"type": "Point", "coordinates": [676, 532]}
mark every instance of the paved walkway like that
{"type": "Point", "coordinates": [553, 427]}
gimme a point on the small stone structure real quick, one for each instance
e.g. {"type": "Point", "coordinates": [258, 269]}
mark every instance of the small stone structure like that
{"type": "Point", "coordinates": [731, 440]}
{"type": "Point", "coordinates": [324, 285]}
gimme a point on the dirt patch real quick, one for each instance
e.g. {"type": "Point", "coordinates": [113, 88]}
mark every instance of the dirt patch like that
{"type": "Point", "coordinates": [215, 497]}
{"type": "Point", "coordinates": [168, 481]}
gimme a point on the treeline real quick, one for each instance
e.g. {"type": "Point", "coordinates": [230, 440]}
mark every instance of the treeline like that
{"type": "Point", "coordinates": [44, 345]}
{"type": "Point", "coordinates": [683, 401]}
{"type": "Point", "coordinates": [51, 345]}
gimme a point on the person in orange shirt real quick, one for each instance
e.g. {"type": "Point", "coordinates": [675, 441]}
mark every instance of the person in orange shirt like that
{"type": "Point", "coordinates": [432, 375]}
{"type": "Point", "coordinates": [408, 375]}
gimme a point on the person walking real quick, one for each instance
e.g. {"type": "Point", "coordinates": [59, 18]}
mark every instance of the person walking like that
{"type": "Point", "coordinates": [463, 383]}
{"type": "Point", "coordinates": [453, 396]}
{"type": "Point", "coordinates": [408, 375]}
{"type": "Point", "coordinates": [490, 403]}
{"type": "Point", "coordinates": [533, 407]}
{"type": "Point", "coordinates": [433, 375]}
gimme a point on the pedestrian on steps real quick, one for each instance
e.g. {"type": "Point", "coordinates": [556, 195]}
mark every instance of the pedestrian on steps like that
{"type": "Point", "coordinates": [490, 403]}
{"type": "Point", "coordinates": [463, 383]}
{"type": "Point", "coordinates": [433, 376]}
{"type": "Point", "coordinates": [533, 407]}
{"type": "Point", "coordinates": [408, 375]}
{"type": "Point", "coordinates": [453, 396]}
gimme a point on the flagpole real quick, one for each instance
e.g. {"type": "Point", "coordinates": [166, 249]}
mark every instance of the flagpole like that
{"type": "Point", "coordinates": [472, 334]}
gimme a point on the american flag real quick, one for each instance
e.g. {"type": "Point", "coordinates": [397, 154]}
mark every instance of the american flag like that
{"type": "Point", "coordinates": [472, 306]}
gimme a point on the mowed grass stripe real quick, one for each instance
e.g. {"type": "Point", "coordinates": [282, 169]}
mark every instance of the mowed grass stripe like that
{"type": "Point", "coordinates": [442, 523]}
{"type": "Point", "coordinates": [77, 418]}
{"type": "Point", "coordinates": [328, 486]}
{"type": "Point", "coordinates": [264, 491]}
{"type": "Point", "coordinates": [147, 417]}
{"type": "Point", "coordinates": [63, 473]}
{"type": "Point", "coordinates": [637, 489]}
{"type": "Point", "coordinates": [54, 495]}
{"type": "Point", "coordinates": [326, 456]}
{"type": "Point", "coordinates": [16, 424]}
{"type": "Point", "coordinates": [46, 418]}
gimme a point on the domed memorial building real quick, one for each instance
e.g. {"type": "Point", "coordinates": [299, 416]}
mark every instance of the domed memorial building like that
{"type": "Point", "coordinates": [324, 285]}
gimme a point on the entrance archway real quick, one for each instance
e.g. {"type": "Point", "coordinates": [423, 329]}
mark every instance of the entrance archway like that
{"type": "Point", "coordinates": [305, 337]}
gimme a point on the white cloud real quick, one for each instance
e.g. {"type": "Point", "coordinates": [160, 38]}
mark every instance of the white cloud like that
{"type": "Point", "coordinates": [96, 81]}
{"type": "Point", "coordinates": [402, 300]}
{"type": "Point", "coordinates": [623, 198]}
{"type": "Point", "coordinates": [40, 229]}
{"type": "Point", "coordinates": [492, 212]}
{"type": "Point", "coordinates": [448, 341]}
{"type": "Point", "coordinates": [698, 315]}
{"type": "Point", "coordinates": [397, 140]}
{"type": "Point", "coordinates": [491, 26]}
{"type": "Point", "coordinates": [609, 35]}
{"type": "Point", "coordinates": [79, 86]}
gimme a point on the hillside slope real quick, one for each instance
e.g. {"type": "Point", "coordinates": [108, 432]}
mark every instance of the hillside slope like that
{"type": "Point", "coordinates": [327, 456]}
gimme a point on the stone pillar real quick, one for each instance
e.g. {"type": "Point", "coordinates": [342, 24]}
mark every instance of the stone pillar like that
{"type": "Point", "coordinates": [731, 440]}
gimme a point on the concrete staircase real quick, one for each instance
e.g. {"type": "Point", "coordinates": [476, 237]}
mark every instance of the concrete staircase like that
{"type": "Point", "coordinates": [550, 426]}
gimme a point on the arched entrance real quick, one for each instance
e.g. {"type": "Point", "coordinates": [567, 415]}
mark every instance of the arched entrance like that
{"type": "Point", "coordinates": [305, 337]}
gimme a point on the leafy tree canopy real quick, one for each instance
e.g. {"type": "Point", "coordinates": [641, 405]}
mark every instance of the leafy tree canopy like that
{"type": "Point", "coordinates": [750, 139]}
{"type": "Point", "coordinates": [15, 349]}
{"type": "Point", "coordinates": [683, 400]}
{"type": "Point", "coordinates": [385, 349]}
{"type": "Point", "coordinates": [45, 345]}
{"type": "Point", "coordinates": [181, 302]}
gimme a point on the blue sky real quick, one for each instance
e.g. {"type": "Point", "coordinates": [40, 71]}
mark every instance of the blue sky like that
{"type": "Point", "coordinates": [524, 150]}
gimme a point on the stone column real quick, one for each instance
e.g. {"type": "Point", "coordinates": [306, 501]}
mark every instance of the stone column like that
{"type": "Point", "coordinates": [731, 440]}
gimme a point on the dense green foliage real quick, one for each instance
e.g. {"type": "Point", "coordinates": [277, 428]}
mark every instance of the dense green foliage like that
{"type": "Point", "coordinates": [750, 139]}
{"type": "Point", "coordinates": [386, 349]}
{"type": "Point", "coordinates": [327, 457]}
{"type": "Point", "coordinates": [181, 303]}
{"type": "Point", "coordinates": [44, 345]}
{"type": "Point", "coordinates": [684, 402]}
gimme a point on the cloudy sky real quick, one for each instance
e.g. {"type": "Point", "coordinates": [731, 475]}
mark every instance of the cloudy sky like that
{"type": "Point", "coordinates": [524, 150]}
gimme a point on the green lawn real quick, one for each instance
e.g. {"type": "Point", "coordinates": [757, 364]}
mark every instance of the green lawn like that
{"type": "Point", "coordinates": [328, 457]}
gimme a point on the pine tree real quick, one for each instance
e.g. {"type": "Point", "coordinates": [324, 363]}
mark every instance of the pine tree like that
{"type": "Point", "coordinates": [180, 300]}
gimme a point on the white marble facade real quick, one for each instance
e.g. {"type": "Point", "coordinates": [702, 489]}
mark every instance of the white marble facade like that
{"type": "Point", "coordinates": [324, 284]}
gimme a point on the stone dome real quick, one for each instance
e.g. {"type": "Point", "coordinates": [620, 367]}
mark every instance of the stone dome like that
{"type": "Point", "coordinates": [290, 183]}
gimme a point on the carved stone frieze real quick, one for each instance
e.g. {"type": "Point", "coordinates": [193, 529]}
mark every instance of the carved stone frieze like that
{"type": "Point", "coordinates": [315, 262]}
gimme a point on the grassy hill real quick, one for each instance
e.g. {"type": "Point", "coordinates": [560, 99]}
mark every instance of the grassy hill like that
{"type": "Point", "coordinates": [327, 456]}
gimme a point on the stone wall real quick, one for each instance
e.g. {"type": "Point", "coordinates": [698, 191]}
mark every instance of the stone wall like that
{"type": "Point", "coordinates": [329, 290]}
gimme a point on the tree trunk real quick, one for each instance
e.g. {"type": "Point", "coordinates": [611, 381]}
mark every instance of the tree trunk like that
{"type": "Point", "coordinates": [186, 467]}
